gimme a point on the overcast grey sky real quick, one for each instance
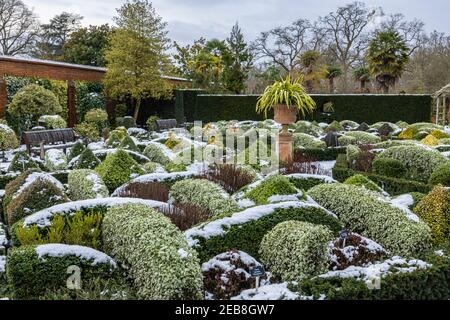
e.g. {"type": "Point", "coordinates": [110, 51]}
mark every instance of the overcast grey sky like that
{"type": "Point", "coordinates": [192, 19]}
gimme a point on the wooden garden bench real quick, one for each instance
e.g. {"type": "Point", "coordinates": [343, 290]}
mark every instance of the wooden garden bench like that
{"type": "Point", "coordinates": [165, 124]}
{"type": "Point", "coordinates": [49, 139]}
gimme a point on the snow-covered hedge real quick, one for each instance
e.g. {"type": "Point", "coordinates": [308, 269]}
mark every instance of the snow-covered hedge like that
{"type": "Point", "coordinates": [420, 162]}
{"type": "Point", "coordinates": [86, 184]}
{"type": "Point", "coordinates": [362, 181]}
{"type": "Point", "coordinates": [203, 193]}
{"type": "Point", "coordinates": [158, 257]}
{"type": "Point", "coordinates": [360, 137]}
{"type": "Point", "coordinates": [275, 185]}
{"type": "Point", "coordinates": [55, 160]}
{"type": "Point", "coordinates": [308, 128]}
{"type": "Point", "coordinates": [244, 230]}
{"type": "Point", "coordinates": [306, 141]}
{"type": "Point", "coordinates": [86, 160]}
{"type": "Point", "coordinates": [367, 213]}
{"type": "Point", "coordinates": [34, 270]}
{"type": "Point", "coordinates": [295, 250]}
{"type": "Point", "coordinates": [30, 192]}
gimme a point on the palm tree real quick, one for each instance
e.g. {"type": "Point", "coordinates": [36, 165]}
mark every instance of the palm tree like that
{"type": "Point", "coordinates": [312, 69]}
{"type": "Point", "coordinates": [333, 72]}
{"type": "Point", "coordinates": [387, 56]}
{"type": "Point", "coordinates": [362, 74]}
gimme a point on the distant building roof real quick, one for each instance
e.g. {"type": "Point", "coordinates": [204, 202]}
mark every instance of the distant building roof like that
{"type": "Point", "coordinates": [71, 66]}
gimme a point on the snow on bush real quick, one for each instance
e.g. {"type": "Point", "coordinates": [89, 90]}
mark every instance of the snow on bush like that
{"type": "Point", "coordinates": [53, 122]}
{"type": "Point", "coordinates": [355, 250]}
{"type": "Point", "coordinates": [295, 250]}
{"type": "Point", "coordinates": [8, 138]}
{"type": "Point", "coordinates": [86, 184]}
{"type": "Point", "coordinates": [34, 270]}
{"type": "Point", "coordinates": [156, 153]}
{"type": "Point", "coordinates": [275, 185]}
{"type": "Point", "coordinates": [228, 273]}
{"type": "Point", "coordinates": [22, 162]}
{"type": "Point", "coordinates": [269, 292]}
{"type": "Point", "coordinates": [55, 160]}
{"type": "Point", "coordinates": [203, 193]}
{"type": "Point", "coordinates": [359, 137]}
{"type": "Point", "coordinates": [158, 257]}
{"type": "Point", "coordinates": [369, 214]}
{"type": "Point", "coordinates": [306, 141]}
{"type": "Point", "coordinates": [419, 162]}
{"type": "Point", "coordinates": [244, 230]}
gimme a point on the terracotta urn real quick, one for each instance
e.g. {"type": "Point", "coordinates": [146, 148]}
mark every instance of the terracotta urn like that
{"type": "Point", "coordinates": [285, 115]}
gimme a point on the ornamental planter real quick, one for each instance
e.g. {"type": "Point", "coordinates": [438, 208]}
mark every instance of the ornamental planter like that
{"type": "Point", "coordinates": [285, 115]}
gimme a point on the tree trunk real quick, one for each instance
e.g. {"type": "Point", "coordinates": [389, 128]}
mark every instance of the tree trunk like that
{"type": "Point", "coordinates": [362, 85]}
{"type": "Point", "coordinates": [137, 106]}
{"type": "Point", "coordinates": [331, 85]}
{"type": "Point", "coordinates": [385, 89]}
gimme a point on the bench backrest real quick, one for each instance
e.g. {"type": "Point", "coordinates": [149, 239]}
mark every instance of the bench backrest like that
{"type": "Point", "coordinates": [164, 124]}
{"type": "Point", "coordinates": [49, 136]}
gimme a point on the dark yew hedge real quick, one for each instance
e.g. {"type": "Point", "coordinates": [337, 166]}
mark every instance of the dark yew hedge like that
{"type": "Point", "coordinates": [360, 108]}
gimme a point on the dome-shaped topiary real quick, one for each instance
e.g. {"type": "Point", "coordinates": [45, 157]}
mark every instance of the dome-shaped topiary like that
{"type": "Point", "coordinates": [86, 184]}
{"type": "Point", "coordinates": [8, 138]}
{"type": "Point", "coordinates": [362, 181]}
{"type": "Point", "coordinates": [117, 169]}
{"type": "Point", "coordinates": [441, 175]}
{"type": "Point", "coordinates": [32, 102]}
{"type": "Point", "coordinates": [53, 122]}
{"type": "Point", "coordinates": [295, 250]}
{"type": "Point", "coordinates": [156, 154]}
{"type": "Point", "coordinates": [272, 186]}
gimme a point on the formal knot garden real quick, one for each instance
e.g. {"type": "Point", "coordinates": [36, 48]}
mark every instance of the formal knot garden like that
{"type": "Point", "coordinates": [361, 212]}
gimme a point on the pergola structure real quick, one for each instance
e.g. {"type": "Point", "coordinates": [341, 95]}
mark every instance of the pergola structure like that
{"type": "Point", "coordinates": [46, 69]}
{"type": "Point", "coordinates": [442, 105]}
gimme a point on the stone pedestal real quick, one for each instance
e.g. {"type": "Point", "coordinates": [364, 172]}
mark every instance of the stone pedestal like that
{"type": "Point", "coordinates": [286, 147]}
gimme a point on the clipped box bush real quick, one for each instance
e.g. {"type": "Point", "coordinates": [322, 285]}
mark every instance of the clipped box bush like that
{"type": "Point", "coordinates": [8, 138]}
{"type": "Point", "coordinates": [128, 144]}
{"type": "Point", "coordinates": [22, 162]}
{"type": "Point", "coordinates": [55, 160]}
{"type": "Point", "coordinates": [434, 209]}
{"type": "Point", "coordinates": [86, 160]}
{"type": "Point", "coordinates": [33, 101]}
{"type": "Point", "coordinates": [53, 122]}
{"type": "Point", "coordinates": [271, 186]}
{"type": "Point", "coordinates": [295, 250]}
{"type": "Point", "coordinates": [389, 167]}
{"type": "Point", "coordinates": [362, 181]}
{"type": "Point", "coordinates": [441, 175]}
{"type": "Point", "coordinates": [76, 150]}
{"type": "Point", "coordinates": [244, 230]}
{"type": "Point", "coordinates": [156, 154]}
{"type": "Point", "coordinates": [31, 192]}
{"type": "Point", "coordinates": [419, 162]}
{"type": "Point", "coordinates": [306, 141]}
{"type": "Point", "coordinates": [118, 169]}
{"type": "Point", "coordinates": [308, 181]}
{"type": "Point", "coordinates": [361, 137]}
{"type": "Point", "coordinates": [86, 184]}
{"type": "Point", "coordinates": [362, 211]}
{"type": "Point", "coordinates": [203, 193]}
{"type": "Point", "coordinates": [88, 130]}
{"type": "Point", "coordinates": [33, 271]}
{"type": "Point", "coordinates": [159, 260]}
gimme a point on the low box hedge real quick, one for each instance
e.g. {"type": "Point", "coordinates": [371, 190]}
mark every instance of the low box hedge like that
{"type": "Point", "coordinates": [244, 230]}
{"type": "Point", "coordinates": [393, 186]}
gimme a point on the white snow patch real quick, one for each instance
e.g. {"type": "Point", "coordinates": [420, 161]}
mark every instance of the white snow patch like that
{"type": "Point", "coordinates": [270, 292]}
{"type": "Point", "coordinates": [305, 176]}
{"type": "Point", "coordinates": [38, 176]}
{"type": "Point", "coordinates": [42, 218]}
{"type": "Point", "coordinates": [85, 253]}
{"type": "Point", "coordinates": [403, 203]}
{"type": "Point", "coordinates": [2, 263]}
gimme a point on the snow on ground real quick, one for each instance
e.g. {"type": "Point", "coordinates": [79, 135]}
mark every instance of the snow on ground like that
{"type": "Point", "coordinates": [56, 157]}
{"type": "Point", "coordinates": [219, 227]}
{"type": "Point", "coordinates": [270, 292]}
{"type": "Point", "coordinates": [42, 218]}
{"type": "Point", "coordinates": [84, 253]}
{"type": "Point", "coordinates": [378, 270]}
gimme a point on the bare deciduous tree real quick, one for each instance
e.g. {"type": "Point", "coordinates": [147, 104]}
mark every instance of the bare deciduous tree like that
{"type": "Point", "coordinates": [347, 31]}
{"type": "Point", "coordinates": [283, 45]}
{"type": "Point", "coordinates": [18, 28]}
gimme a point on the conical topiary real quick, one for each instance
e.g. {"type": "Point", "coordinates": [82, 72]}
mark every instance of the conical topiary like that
{"type": "Point", "coordinates": [87, 160]}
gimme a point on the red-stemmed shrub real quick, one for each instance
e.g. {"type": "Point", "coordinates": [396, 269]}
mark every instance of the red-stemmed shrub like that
{"type": "Point", "coordinates": [185, 215]}
{"type": "Point", "coordinates": [146, 190]}
{"type": "Point", "coordinates": [231, 177]}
